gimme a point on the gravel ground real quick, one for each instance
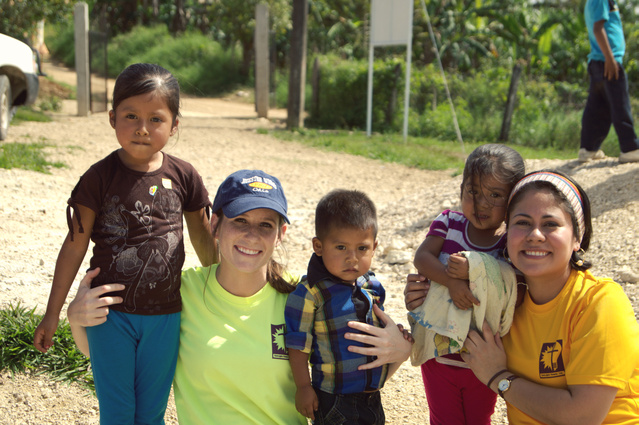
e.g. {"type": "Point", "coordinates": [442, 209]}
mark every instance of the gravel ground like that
{"type": "Point", "coordinates": [219, 137]}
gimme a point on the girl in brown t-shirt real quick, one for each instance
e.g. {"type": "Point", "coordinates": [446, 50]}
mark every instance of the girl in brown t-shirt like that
{"type": "Point", "coordinates": [131, 204]}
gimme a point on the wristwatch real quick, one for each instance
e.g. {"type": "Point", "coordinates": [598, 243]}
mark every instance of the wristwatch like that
{"type": "Point", "coordinates": [504, 384]}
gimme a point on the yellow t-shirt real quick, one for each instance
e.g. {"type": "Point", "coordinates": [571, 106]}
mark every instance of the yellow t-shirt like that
{"type": "Point", "coordinates": [233, 365]}
{"type": "Point", "coordinates": [587, 335]}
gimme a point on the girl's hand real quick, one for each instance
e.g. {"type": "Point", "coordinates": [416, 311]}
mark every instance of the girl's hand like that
{"type": "Point", "coordinates": [87, 308]}
{"type": "Point", "coordinates": [484, 354]}
{"type": "Point", "coordinates": [415, 292]}
{"type": "Point", "coordinates": [387, 343]}
{"type": "Point", "coordinates": [461, 295]}
{"type": "Point", "coordinates": [407, 335]}
{"type": "Point", "coordinates": [457, 267]}
{"type": "Point", "coordinates": [43, 335]}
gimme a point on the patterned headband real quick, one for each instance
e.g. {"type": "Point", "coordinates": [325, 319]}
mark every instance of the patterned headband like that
{"type": "Point", "coordinates": [562, 184]}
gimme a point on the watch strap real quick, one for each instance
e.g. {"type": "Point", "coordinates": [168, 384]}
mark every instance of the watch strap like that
{"type": "Point", "coordinates": [495, 376]}
{"type": "Point", "coordinates": [510, 379]}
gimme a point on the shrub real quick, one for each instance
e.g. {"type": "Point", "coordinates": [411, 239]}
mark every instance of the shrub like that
{"type": "Point", "coordinates": [343, 89]}
{"type": "Point", "coordinates": [547, 114]}
{"type": "Point", "coordinates": [200, 64]}
{"type": "Point", "coordinates": [60, 42]}
{"type": "Point", "coordinates": [62, 362]}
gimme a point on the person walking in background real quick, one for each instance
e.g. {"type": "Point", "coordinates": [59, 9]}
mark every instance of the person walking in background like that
{"type": "Point", "coordinates": [131, 204]}
{"type": "Point", "coordinates": [608, 98]}
{"type": "Point", "coordinates": [338, 288]}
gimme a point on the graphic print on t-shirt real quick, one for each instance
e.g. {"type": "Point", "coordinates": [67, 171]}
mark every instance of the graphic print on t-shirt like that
{"type": "Point", "coordinates": [277, 342]}
{"type": "Point", "coordinates": [144, 267]}
{"type": "Point", "coordinates": [551, 361]}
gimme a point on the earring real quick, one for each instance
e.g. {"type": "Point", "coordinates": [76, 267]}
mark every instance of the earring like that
{"type": "Point", "coordinates": [504, 254]}
{"type": "Point", "coordinates": [577, 257]}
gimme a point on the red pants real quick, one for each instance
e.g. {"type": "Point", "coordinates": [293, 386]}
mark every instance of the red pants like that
{"type": "Point", "coordinates": [455, 396]}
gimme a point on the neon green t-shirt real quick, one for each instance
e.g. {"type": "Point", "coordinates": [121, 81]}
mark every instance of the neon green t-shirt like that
{"type": "Point", "coordinates": [587, 335]}
{"type": "Point", "coordinates": [233, 365]}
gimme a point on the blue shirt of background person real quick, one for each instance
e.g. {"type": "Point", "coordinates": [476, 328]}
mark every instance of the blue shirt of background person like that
{"type": "Point", "coordinates": [608, 11]}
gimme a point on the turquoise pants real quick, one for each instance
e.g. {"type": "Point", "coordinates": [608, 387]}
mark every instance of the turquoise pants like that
{"type": "Point", "coordinates": [133, 358]}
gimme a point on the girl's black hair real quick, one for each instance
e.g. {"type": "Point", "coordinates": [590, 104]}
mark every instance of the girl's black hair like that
{"type": "Point", "coordinates": [576, 261]}
{"type": "Point", "coordinates": [142, 78]}
{"type": "Point", "coordinates": [495, 160]}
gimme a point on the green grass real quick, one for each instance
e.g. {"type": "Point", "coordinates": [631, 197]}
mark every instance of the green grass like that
{"type": "Point", "coordinates": [28, 156]}
{"type": "Point", "coordinates": [28, 113]}
{"type": "Point", "coordinates": [63, 362]}
{"type": "Point", "coordinates": [417, 152]}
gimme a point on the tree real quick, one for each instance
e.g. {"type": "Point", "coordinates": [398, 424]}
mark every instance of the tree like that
{"type": "Point", "coordinates": [528, 32]}
{"type": "Point", "coordinates": [234, 22]}
{"type": "Point", "coordinates": [462, 36]}
{"type": "Point", "coordinates": [19, 18]}
{"type": "Point", "coordinates": [338, 27]}
{"type": "Point", "coordinates": [178, 23]}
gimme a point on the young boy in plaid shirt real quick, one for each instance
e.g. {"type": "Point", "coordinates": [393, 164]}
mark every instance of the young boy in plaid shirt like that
{"type": "Point", "coordinates": [338, 288]}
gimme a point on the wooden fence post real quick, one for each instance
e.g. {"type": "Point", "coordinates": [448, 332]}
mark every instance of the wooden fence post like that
{"type": "Point", "coordinates": [81, 34]}
{"type": "Point", "coordinates": [261, 60]}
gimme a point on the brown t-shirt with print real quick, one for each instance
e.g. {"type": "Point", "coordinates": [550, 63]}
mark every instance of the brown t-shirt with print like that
{"type": "Point", "coordinates": [138, 230]}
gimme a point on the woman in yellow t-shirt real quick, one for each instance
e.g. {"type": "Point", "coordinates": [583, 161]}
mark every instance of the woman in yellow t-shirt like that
{"type": "Point", "coordinates": [572, 353]}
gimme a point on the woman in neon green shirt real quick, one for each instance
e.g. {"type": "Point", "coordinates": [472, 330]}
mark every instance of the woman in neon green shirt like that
{"type": "Point", "coordinates": [233, 365]}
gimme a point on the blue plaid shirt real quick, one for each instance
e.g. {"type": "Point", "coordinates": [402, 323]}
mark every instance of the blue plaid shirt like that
{"type": "Point", "coordinates": [317, 315]}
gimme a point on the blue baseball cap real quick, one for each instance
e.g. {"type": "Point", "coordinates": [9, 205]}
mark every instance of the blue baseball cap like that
{"type": "Point", "coordinates": [247, 190]}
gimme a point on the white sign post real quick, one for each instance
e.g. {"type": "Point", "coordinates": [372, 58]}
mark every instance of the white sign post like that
{"type": "Point", "coordinates": [391, 25]}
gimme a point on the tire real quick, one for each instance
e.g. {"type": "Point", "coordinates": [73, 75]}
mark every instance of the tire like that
{"type": "Point", "coordinates": [5, 106]}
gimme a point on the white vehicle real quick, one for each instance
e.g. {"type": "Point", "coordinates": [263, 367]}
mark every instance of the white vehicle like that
{"type": "Point", "coordinates": [18, 79]}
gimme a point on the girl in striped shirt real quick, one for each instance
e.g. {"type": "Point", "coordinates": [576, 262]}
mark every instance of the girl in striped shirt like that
{"type": "Point", "coordinates": [454, 394]}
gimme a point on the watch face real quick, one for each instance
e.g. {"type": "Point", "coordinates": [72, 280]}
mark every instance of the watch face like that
{"type": "Point", "coordinates": [504, 384]}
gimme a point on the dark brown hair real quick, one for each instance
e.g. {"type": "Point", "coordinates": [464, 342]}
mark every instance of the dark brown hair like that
{"type": "Point", "coordinates": [566, 206]}
{"type": "Point", "coordinates": [142, 78]}
{"type": "Point", "coordinates": [495, 160]}
{"type": "Point", "coordinates": [343, 208]}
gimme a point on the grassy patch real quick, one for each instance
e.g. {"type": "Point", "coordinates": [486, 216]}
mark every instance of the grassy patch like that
{"type": "Point", "coordinates": [28, 156]}
{"type": "Point", "coordinates": [63, 361]}
{"type": "Point", "coordinates": [28, 113]}
{"type": "Point", "coordinates": [49, 100]}
{"type": "Point", "coordinates": [417, 152]}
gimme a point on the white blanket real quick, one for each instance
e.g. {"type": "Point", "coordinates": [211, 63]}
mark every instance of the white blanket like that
{"type": "Point", "coordinates": [440, 328]}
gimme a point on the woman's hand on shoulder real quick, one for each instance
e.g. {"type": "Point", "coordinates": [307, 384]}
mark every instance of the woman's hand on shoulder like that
{"type": "Point", "coordinates": [90, 307]}
{"type": "Point", "coordinates": [388, 344]}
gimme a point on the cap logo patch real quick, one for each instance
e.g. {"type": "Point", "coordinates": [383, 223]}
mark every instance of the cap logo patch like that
{"type": "Point", "coordinates": [260, 185]}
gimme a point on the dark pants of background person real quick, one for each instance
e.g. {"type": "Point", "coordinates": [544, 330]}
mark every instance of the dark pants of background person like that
{"type": "Point", "coordinates": [608, 104]}
{"type": "Point", "coordinates": [349, 409]}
